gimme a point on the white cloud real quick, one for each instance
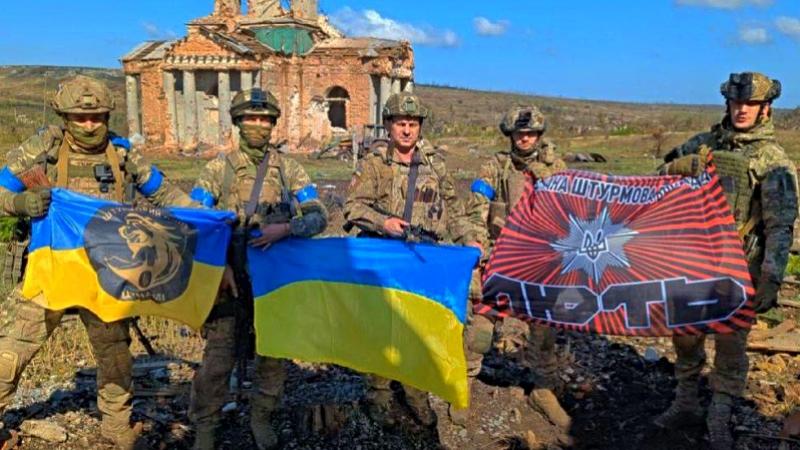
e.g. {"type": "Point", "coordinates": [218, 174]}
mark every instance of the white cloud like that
{"type": "Point", "coordinates": [724, 4]}
{"type": "Point", "coordinates": [370, 23]}
{"type": "Point", "coordinates": [789, 26]}
{"type": "Point", "coordinates": [753, 35]}
{"type": "Point", "coordinates": [154, 32]}
{"type": "Point", "coordinates": [486, 27]}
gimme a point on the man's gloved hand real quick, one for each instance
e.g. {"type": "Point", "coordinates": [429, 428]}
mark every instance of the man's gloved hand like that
{"type": "Point", "coordinates": [33, 202]}
{"type": "Point", "coordinates": [687, 166]}
{"type": "Point", "coordinates": [766, 296]}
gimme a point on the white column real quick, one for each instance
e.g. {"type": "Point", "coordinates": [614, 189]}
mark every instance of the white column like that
{"type": "Point", "coordinates": [189, 107]}
{"type": "Point", "coordinates": [396, 86]}
{"type": "Point", "coordinates": [386, 90]}
{"type": "Point", "coordinates": [132, 99]}
{"type": "Point", "coordinates": [172, 110]}
{"type": "Point", "coordinates": [247, 80]}
{"type": "Point", "coordinates": [224, 90]}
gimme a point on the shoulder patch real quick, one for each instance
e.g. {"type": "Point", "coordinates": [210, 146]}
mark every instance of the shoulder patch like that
{"type": "Point", "coordinates": [119, 141]}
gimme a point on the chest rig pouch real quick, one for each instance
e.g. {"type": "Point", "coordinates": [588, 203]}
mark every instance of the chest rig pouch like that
{"type": "Point", "coordinates": [733, 169]}
{"type": "Point", "coordinates": [511, 188]}
{"type": "Point", "coordinates": [236, 194]}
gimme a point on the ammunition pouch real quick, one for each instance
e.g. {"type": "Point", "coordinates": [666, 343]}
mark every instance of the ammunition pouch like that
{"type": "Point", "coordinates": [16, 256]}
{"type": "Point", "coordinates": [497, 217]}
{"type": "Point", "coordinates": [15, 260]}
{"type": "Point", "coordinates": [733, 170]}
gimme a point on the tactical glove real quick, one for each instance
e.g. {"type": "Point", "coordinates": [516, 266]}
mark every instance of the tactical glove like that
{"type": "Point", "coordinates": [766, 297]}
{"type": "Point", "coordinates": [687, 166]}
{"type": "Point", "coordinates": [32, 203]}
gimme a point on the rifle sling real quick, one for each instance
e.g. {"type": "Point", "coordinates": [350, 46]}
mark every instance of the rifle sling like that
{"type": "Point", "coordinates": [255, 194]}
{"type": "Point", "coordinates": [411, 191]}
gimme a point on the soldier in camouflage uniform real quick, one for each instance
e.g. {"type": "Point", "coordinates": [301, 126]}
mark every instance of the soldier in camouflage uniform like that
{"type": "Point", "coordinates": [761, 188]}
{"type": "Point", "coordinates": [287, 205]}
{"type": "Point", "coordinates": [377, 205]}
{"type": "Point", "coordinates": [66, 156]}
{"type": "Point", "coordinates": [498, 188]}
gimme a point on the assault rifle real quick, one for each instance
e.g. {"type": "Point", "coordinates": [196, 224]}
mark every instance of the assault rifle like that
{"type": "Point", "coordinates": [417, 233]}
{"type": "Point", "coordinates": [244, 336]}
{"type": "Point", "coordinates": [411, 233]}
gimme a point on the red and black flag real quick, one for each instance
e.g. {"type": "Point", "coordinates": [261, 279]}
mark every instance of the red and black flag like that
{"type": "Point", "coordinates": [638, 256]}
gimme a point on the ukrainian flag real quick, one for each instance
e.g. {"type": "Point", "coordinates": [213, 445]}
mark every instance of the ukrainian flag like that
{"type": "Point", "coordinates": [380, 306]}
{"type": "Point", "coordinates": [119, 262]}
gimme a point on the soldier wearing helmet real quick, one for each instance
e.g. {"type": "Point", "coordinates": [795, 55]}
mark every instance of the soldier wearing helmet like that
{"type": "Point", "coordinates": [274, 196]}
{"type": "Point", "coordinates": [494, 193]}
{"type": "Point", "coordinates": [59, 156]}
{"type": "Point", "coordinates": [761, 189]}
{"type": "Point", "coordinates": [404, 184]}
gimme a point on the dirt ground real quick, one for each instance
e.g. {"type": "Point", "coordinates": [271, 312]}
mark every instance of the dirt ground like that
{"type": "Point", "coordinates": [614, 388]}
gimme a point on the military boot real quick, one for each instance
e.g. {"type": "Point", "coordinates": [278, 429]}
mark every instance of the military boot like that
{"type": "Point", "coordinates": [124, 438]}
{"type": "Point", "coordinates": [546, 401]}
{"type": "Point", "coordinates": [718, 421]}
{"type": "Point", "coordinates": [378, 400]}
{"type": "Point", "coordinates": [205, 435]}
{"type": "Point", "coordinates": [261, 426]}
{"type": "Point", "coordinates": [460, 417]}
{"type": "Point", "coordinates": [418, 402]}
{"type": "Point", "coordinates": [685, 410]}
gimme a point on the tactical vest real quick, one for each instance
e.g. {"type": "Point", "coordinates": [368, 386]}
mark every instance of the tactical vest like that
{"type": "Point", "coordinates": [100, 175]}
{"type": "Point", "coordinates": [275, 204]}
{"type": "Point", "coordinates": [733, 170]}
{"type": "Point", "coordinates": [429, 209]}
{"type": "Point", "coordinates": [77, 172]}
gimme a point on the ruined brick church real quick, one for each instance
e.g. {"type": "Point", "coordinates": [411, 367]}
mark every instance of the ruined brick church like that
{"type": "Point", "coordinates": [179, 92]}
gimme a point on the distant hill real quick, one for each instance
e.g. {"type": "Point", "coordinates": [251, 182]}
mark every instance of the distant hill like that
{"type": "Point", "coordinates": [25, 92]}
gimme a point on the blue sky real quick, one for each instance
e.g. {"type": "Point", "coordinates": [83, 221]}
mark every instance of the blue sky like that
{"type": "Point", "coordinates": [674, 51]}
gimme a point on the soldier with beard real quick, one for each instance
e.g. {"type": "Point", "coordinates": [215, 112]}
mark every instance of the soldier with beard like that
{"type": "Point", "coordinates": [498, 188]}
{"type": "Point", "coordinates": [275, 196]}
{"type": "Point", "coordinates": [61, 156]}
{"type": "Point", "coordinates": [760, 185]}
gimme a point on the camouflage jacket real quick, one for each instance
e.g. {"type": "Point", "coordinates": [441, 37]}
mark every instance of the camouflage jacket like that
{"type": "Point", "coordinates": [774, 202]}
{"type": "Point", "coordinates": [378, 191]}
{"type": "Point", "coordinates": [501, 183]}
{"type": "Point", "coordinates": [41, 152]}
{"type": "Point", "coordinates": [287, 195]}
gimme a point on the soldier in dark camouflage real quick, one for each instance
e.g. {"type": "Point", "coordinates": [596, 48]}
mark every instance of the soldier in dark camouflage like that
{"type": "Point", "coordinates": [498, 188]}
{"type": "Point", "coordinates": [761, 188]}
{"type": "Point", "coordinates": [63, 156]}
{"type": "Point", "coordinates": [287, 205]}
{"type": "Point", "coordinates": [380, 206]}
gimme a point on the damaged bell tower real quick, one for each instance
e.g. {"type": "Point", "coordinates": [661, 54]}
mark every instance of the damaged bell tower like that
{"type": "Point", "coordinates": [179, 91]}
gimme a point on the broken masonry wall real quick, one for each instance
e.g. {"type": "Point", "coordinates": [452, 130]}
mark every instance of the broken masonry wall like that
{"type": "Point", "coordinates": [302, 85]}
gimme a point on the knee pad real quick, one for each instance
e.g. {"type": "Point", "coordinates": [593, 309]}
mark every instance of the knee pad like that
{"type": "Point", "coordinates": [9, 362]}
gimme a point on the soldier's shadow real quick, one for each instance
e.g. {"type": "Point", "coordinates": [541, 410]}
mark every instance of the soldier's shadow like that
{"type": "Point", "coordinates": [159, 403]}
{"type": "Point", "coordinates": [617, 389]}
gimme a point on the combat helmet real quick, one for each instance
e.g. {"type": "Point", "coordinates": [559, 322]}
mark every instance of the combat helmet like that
{"type": "Point", "coordinates": [83, 95]}
{"type": "Point", "coordinates": [254, 102]}
{"type": "Point", "coordinates": [523, 118]}
{"type": "Point", "coordinates": [404, 104]}
{"type": "Point", "coordinates": [750, 87]}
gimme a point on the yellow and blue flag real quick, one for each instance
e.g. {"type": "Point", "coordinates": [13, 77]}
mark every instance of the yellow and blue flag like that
{"type": "Point", "coordinates": [379, 306]}
{"type": "Point", "coordinates": [118, 261]}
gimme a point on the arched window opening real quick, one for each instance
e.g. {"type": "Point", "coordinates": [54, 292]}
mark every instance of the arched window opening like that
{"type": "Point", "coordinates": [337, 99]}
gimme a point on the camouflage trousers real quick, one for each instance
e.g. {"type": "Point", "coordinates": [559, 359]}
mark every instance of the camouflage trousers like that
{"type": "Point", "coordinates": [211, 380]}
{"type": "Point", "coordinates": [380, 393]}
{"type": "Point", "coordinates": [731, 364]}
{"type": "Point", "coordinates": [30, 327]}
{"type": "Point", "coordinates": [539, 353]}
